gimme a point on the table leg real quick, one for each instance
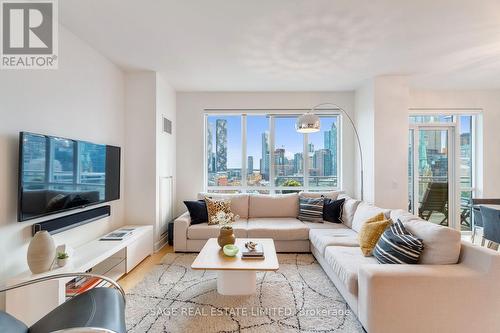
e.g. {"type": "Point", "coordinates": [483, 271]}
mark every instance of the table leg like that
{"type": "Point", "coordinates": [236, 282]}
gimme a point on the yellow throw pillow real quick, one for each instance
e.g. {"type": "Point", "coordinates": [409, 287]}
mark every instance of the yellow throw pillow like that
{"type": "Point", "coordinates": [214, 206]}
{"type": "Point", "coordinates": [370, 233]}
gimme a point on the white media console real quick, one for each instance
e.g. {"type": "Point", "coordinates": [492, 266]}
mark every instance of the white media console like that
{"type": "Point", "coordinates": [109, 258]}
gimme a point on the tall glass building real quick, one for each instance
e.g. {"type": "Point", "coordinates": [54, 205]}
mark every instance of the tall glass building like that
{"type": "Point", "coordinates": [221, 144]}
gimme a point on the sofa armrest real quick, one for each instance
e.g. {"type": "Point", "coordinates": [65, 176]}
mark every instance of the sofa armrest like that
{"type": "Point", "coordinates": [181, 225]}
{"type": "Point", "coordinates": [428, 298]}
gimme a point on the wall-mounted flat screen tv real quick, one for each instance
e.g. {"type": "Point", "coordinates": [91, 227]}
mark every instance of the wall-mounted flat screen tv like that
{"type": "Point", "coordinates": [58, 174]}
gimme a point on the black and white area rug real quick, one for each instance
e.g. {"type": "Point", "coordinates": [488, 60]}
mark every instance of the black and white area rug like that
{"type": "Point", "coordinates": [299, 297]}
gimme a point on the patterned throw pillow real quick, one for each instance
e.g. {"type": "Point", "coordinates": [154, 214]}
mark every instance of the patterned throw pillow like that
{"type": "Point", "coordinates": [214, 206]}
{"type": "Point", "coordinates": [398, 246]}
{"type": "Point", "coordinates": [370, 233]}
{"type": "Point", "coordinates": [332, 210]}
{"type": "Point", "coordinates": [311, 209]}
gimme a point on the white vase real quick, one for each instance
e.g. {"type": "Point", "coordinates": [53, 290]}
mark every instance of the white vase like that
{"type": "Point", "coordinates": [41, 252]}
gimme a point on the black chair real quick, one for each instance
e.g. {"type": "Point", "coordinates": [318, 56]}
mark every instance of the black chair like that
{"type": "Point", "coordinates": [100, 309]}
{"type": "Point", "coordinates": [491, 225]}
{"type": "Point", "coordinates": [478, 220]}
{"type": "Point", "coordinates": [435, 200]}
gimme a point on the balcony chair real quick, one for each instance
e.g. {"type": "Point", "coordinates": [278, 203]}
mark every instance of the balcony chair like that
{"type": "Point", "coordinates": [100, 309]}
{"type": "Point", "coordinates": [435, 200]}
{"type": "Point", "coordinates": [491, 226]}
{"type": "Point", "coordinates": [478, 221]}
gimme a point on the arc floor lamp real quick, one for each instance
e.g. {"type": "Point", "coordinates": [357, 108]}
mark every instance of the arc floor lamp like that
{"type": "Point", "coordinates": [309, 122]}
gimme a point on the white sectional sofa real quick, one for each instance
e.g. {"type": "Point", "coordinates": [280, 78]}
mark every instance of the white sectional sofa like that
{"type": "Point", "coordinates": [455, 288]}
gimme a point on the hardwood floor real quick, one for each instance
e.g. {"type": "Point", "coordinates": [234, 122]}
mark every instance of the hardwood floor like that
{"type": "Point", "coordinates": [129, 280]}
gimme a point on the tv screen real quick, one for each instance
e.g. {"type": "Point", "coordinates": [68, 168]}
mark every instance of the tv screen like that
{"type": "Point", "coordinates": [58, 174]}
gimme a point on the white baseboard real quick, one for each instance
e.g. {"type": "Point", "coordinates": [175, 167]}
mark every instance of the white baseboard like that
{"type": "Point", "coordinates": [161, 243]}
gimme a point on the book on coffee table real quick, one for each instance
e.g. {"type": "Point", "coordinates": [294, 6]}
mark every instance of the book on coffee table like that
{"type": "Point", "coordinates": [257, 253]}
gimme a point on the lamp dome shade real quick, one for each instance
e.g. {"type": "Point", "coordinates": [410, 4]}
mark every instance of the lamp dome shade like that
{"type": "Point", "coordinates": [308, 123]}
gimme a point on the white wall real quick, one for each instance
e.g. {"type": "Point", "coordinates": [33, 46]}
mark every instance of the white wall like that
{"type": "Point", "coordinates": [150, 152]}
{"type": "Point", "coordinates": [165, 155]}
{"type": "Point", "coordinates": [365, 124]}
{"type": "Point", "coordinates": [382, 120]}
{"type": "Point", "coordinates": [488, 101]}
{"type": "Point", "coordinates": [190, 109]}
{"type": "Point", "coordinates": [83, 99]}
{"type": "Point", "coordinates": [140, 160]}
{"type": "Point", "coordinates": [382, 110]}
{"type": "Point", "coordinates": [391, 141]}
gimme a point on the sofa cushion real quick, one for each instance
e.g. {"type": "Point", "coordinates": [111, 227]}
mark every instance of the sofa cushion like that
{"type": "Point", "coordinates": [277, 228]}
{"type": "Point", "coordinates": [205, 231]}
{"type": "Point", "coordinates": [324, 225]}
{"type": "Point", "coordinates": [371, 232]}
{"type": "Point", "coordinates": [349, 209]}
{"type": "Point", "coordinates": [197, 211]}
{"type": "Point", "coordinates": [339, 236]}
{"type": "Point", "coordinates": [326, 194]}
{"type": "Point", "coordinates": [345, 262]}
{"type": "Point", "coordinates": [282, 205]}
{"type": "Point", "coordinates": [332, 210]}
{"type": "Point", "coordinates": [311, 209]}
{"type": "Point", "coordinates": [441, 244]}
{"type": "Point", "coordinates": [239, 202]}
{"type": "Point", "coordinates": [364, 212]}
{"type": "Point", "coordinates": [398, 246]}
{"type": "Point", "coordinates": [215, 206]}
{"type": "Point", "coordinates": [402, 215]}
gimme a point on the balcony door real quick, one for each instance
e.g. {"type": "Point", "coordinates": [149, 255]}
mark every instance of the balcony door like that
{"type": "Point", "coordinates": [432, 173]}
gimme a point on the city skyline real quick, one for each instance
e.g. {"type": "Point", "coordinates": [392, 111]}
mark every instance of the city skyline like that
{"type": "Point", "coordinates": [285, 137]}
{"type": "Point", "coordinates": [286, 155]}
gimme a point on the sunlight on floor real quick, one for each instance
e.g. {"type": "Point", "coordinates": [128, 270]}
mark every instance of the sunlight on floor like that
{"type": "Point", "coordinates": [139, 272]}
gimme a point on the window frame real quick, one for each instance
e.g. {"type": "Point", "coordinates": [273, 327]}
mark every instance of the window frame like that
{"type": "Point", "coordinates": [455, 115]}
{"type": "Point", "coordinates": [272, 189]}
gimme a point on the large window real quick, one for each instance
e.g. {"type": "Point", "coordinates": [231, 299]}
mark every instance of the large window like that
{"type": "Point", "coordinates": [323, 167]}
{"type": "Point", "coordinates": [263, 153]}
{"type": "Point", "coordinates": [288, 153]}
{"type": "Point", "coordinates": [223, 151]}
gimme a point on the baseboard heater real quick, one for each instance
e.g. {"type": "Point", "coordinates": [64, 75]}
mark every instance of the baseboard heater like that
{"type": "Point", "coordinates": [63, 223]}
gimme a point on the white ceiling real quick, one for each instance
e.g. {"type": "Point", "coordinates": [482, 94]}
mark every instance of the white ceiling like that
{"type": "Point", "coordinates": [295, 45]}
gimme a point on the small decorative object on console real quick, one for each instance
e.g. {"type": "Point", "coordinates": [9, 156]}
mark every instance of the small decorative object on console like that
{"type": "Point", "coordinates": [118, 235]}
{"type": "Point", "coordinates": [41, 252]}
{"type": "Point", "coordinates": [62, 259]}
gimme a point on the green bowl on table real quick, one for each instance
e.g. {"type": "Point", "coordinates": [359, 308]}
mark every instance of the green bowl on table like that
{"type": "Point", "coordinates": [230, 250]}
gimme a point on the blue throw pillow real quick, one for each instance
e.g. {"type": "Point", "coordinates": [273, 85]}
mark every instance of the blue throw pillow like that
{"type": "Point", "coordinates": [398, 246]}
{"type": "Point", "coordinates": [332, 210]}
{"type": "Point", "coordinates": [197, 211]}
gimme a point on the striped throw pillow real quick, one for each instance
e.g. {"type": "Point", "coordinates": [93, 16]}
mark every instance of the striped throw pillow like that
{"type": "Point", "coordinates": [311, 209]}
{"type": "Point", "coordinates": [398, 246]}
